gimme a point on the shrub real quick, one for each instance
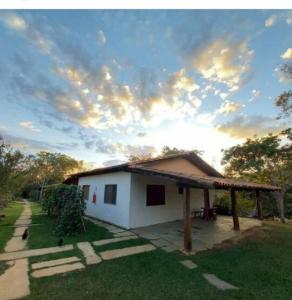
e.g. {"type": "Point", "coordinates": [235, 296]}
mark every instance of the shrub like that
{"type": "Point", "coordinates": [246, 204]}
{"type": "Point", "coordinates": [65, 204]}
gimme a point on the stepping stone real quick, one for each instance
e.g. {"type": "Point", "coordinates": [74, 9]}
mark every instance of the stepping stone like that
{"type": "Point", "coordinates": [149, 236]}
{"type": "Point", "coordinates": [16, 243]}
{"type": "Point", "coordinates": [57, 270]}
{"type": "Point", "coordinates": [188, 264]}
{"type": "Point", "coordinates": [89, 253]}
{"type": "Point", "coordinates": [19, 231]}
{"type": "Point", "coordinates": [219, 283]}
{"type": "Point", "coordinates": [111, 254]}
{"type": "Point", "coordinates": [118, 230]}
{"type": "Point", "coordinates": [14, 282]}
{"type": "Point", "coordinates": [53, 263]}
{"type": "Point", "coordinates": [22, 222]}
{"type": "Point", "coordinates": [125, 233]}
{"type": "Point", "coordinates": [169, 248]}
{"type": "Point", "coordinates": [160, 243]}
{"type": "Point", "coordinates": [34, 252]}
{"type": "Point", "coordinates": [114, 240]}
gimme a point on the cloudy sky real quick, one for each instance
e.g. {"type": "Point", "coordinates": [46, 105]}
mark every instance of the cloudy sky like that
{"type": "Point", "coordinates": [100, 85]}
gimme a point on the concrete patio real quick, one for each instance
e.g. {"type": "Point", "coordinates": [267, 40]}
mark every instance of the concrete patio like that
{"type": "Point", "coordinates": [205, 234]}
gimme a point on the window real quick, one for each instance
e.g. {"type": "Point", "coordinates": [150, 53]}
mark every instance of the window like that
{"type": "Point", "coordinates": [110, 193]}
{"type": "Point", "coordinates": [155, 195]}
{"type": "Point", "coordinates": [85, 189]}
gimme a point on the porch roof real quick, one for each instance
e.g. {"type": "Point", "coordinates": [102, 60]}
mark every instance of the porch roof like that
{"type": "Point", "coordinates": [212, 179]}
{"type": "Point", "coordinates": [204, 181]}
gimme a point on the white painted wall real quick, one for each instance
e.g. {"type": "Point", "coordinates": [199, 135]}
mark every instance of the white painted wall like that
{"type": "Point", "coordinates": [143, 215]}
{"type": "Point", "coordinates": [130, 210]}
{"type": "Point", "coordinates": [116, 214]}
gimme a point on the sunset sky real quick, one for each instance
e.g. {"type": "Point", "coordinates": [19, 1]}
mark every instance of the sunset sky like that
{"type": "Point", "coordinates": [100, 85]}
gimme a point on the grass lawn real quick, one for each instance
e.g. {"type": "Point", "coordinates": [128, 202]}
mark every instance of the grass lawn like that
{"type": "Point", "coordinates": [11, 212]}
{"type": "Point", "coordinates": [260, 265]}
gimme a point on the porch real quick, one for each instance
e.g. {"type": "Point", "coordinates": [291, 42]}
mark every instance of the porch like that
{"type": "Point", "coordinates": [205, 234]}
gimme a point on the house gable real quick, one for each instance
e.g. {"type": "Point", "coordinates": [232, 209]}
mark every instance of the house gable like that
{"type": "Point", "coordinates": [177, 164]}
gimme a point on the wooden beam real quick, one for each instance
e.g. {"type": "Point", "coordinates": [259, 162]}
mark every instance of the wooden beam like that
{"type": "Point", "coordinates": [206, 198]}
{"type": "Point", "coordinates": [187, 222]}
{"type": "Point", "coordinates": [259, 205]}
{"type": "Point", "coordinates": [234, 209]}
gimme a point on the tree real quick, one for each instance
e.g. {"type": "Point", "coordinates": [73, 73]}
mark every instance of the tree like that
{"type": "Point", "coordinates": [141, 156]}
{"type": "Point", "coordinates": [50, 168]}
{"type": "Point", "coordinates": [267, 159]}
{"type": "Point", "coordinates": [11, 169]}
{"type": "Point", "coordinates": [166, 151]}
{"type": "Point", "coordinates": [284, 101]}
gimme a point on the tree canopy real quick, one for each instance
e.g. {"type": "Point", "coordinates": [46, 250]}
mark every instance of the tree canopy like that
{"type": "Point", "coordinates": [11, 169]}
{"type": "Point", "coordinates": [264, 159]}
{"type": "Point", "coordinates": [25, 173]}
{"type": "Point", "coordinates": [166, 151]}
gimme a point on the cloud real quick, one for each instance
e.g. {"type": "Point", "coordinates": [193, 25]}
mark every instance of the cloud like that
{"type": "Point", "coordinates": [247, 126]}
{"type": "Point", "coordinates": [101, 37]}
{"type": "Point", "coordinates": [224, 61]}
{"type": "Point", "coordinates": [29, 125]}
{"type": "Point", "coordinates": [113, 162]}
{"type": "Point", "coordinates": [82, 90]}
{"type": "Point", "coordinates": [175, 94]}
{"type": "Point", "coordinates": [14, 21]}
{"type": "Point", "coordinates": [31, 145]}
{"type": "Point", "coordinates": [271, 21]}
{"type": "Point", "coordinates": [34, 32]}
{"type": "Point", "coordinates": [137, 150]}
{"type": "Point", "coordinates": [287, 54]}
{"type": "Point", "coordinates": [141, 134]}
{"type": "Point", "coordinates": [229, 107]}
{"type": "Point", "coordinates": [255, 94]}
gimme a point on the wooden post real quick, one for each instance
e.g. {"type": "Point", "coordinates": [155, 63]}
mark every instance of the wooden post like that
{"type": "Point", "coordinates": [234, 209]}
{"type": "Point", "coordinates": [259, 205]}
{"type": "Point", "coordinates": [187, 222]}
{"type": "Point", "coordinates": [206, 198]}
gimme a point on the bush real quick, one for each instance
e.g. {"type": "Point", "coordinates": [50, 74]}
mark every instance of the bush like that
{"type": "Point", "coordinates": [65, 204]}
{"type": "Point", "coordinates": [246, 204]}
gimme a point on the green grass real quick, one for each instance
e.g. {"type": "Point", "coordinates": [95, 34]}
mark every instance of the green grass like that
{"type": "Point", "coordinates": [11, 212]}
{"type": "Point", "coordinates": [261, 266]}
{"type": "Point", "coordinates": [42, 235]}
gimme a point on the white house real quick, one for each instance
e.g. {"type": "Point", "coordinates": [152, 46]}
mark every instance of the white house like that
{"type": "Point", "coordinates": [125, 197]}
{"type": "Point", "coordinates": [154, 191]}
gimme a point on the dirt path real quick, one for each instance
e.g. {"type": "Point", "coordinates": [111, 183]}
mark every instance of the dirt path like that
{"type": "Point", "coordinates": [16, 243]}
{"type": "Point", "coordinates": [15, 279]}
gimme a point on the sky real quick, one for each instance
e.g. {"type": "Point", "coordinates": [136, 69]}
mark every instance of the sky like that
{"type": "Point", "coordinates": [100, 85]}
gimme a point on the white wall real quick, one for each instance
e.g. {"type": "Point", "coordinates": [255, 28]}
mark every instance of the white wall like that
{"type": "Point", "coordinates": [117, 214]}
{"type": "Point", "coordinates": [130, 210]}
{"type": "Point", "coordinates": [142, 215]}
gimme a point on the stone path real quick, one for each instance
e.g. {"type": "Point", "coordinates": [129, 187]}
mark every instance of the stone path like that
{"type": "Point", "coordinates": [16, 243]}
{"type": "Point", "coordinates": [34, 252]}
{"type": "Point", "coordinates": [57, 270]}
{"type": "Point", "coordinates": [189, 264]}
{"type": "Point", "coordinates": [219, 283]}
{"type": "Point", "coordinates": [114, 240]}
{"type": "Point", "coordinates": [111, 254]}
{"type": "Point", "coordinates": [14, 282]}
{"type": "Point", "coordinates": [205, 235]}
{"type": "Point", "coordinates": [53, 263]}
{"type": "Point", "coordinates": [89, 253]}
